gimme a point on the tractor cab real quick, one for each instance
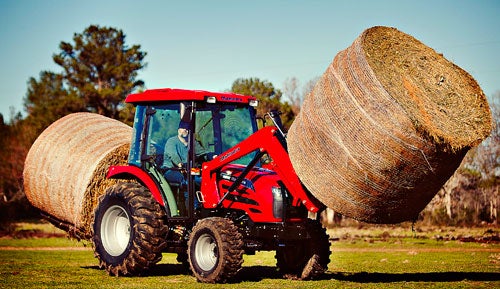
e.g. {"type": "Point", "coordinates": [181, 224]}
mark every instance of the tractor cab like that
{"type": "Point", "coordinates": [215, 122]}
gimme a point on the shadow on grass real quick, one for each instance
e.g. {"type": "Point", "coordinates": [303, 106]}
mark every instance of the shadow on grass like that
{"type": "Point", "coordinates": [365, 277]}
{"type": "Point", "coordinates": [157, 271]}
{"type": "Point", "coordinates": [258, 273]}
{"type": "Point", "coordinates": [249, 274]}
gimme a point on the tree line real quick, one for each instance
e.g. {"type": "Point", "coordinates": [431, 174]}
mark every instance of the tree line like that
{"type": "Point", "coordinates": [98, 70]}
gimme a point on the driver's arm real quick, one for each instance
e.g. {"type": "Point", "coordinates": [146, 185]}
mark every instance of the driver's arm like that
{"type": "Point", "coordinates": [171, 157]}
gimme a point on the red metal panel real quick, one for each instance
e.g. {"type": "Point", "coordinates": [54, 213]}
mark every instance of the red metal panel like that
{"type": "Point", "coordinates": [266, 141]}
{"type": "Point", "coordinates": [142, 176]}
{"type": "Point", "coordinates": [254, 197]}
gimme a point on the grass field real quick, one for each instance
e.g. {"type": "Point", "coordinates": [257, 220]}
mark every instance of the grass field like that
{"type": "Point", "coordinates": [374, 257]}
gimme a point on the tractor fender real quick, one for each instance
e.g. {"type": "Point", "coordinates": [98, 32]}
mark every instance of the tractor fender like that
{"type": "Point", "coordinates": [132, 172]}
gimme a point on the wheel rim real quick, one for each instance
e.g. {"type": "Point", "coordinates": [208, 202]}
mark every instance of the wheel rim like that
{"type": "Point", "coordinates": [206, 252]}
{"type": "Point", "coordinates": [115, 230]}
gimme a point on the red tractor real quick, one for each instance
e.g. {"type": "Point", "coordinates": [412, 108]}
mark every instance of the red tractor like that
{"type": "Point", "coordinates": [237, 192]}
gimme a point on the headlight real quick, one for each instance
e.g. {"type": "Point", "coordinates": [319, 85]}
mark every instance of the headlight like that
{"type": "Point", "coordinates": [277, 202]}
{"type": "Point", "coordinates": [277, 193]}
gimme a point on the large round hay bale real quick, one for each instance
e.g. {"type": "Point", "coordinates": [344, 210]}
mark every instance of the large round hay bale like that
{"type": "Point", "coordinates": [65, 169]}
{"type": "Point", "coordinates": [385, 126]}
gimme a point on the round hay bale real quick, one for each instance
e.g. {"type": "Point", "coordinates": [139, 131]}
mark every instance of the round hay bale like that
{"type": "Point", "coordinates": [385, 126]}
{"type": "Point", "coordinates": [65, 169]}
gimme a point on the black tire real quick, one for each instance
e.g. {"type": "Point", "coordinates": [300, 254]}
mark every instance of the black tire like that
{"type": "Point", "coordinates": [184, 260]}
{"type": "Point", "coordinates": [305, 259]}
{"type": "Point", "coordinates": [215, 250]}
{"type": "Point", "coordinates": [128, 230]}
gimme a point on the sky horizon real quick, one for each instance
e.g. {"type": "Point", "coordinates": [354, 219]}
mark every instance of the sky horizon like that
{"type": "Point", "coordinates": [209, 44]}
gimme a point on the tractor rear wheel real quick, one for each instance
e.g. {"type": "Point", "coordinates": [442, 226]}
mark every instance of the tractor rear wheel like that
{"type": "Point", "coordinates": [215, 250]}
{"type": "Point", "coordinates": [128, 230]}
{"type": "Point", "coordinates": [305, 259]}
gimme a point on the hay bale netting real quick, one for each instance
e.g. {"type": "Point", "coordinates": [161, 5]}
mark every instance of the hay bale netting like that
{"type": "Point", "coordinates": [65, 169]}
{"type": "Point", "coordinates": [385, 126]}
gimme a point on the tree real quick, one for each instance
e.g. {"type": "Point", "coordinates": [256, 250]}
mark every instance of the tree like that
{"type": "Point", "coordinates": [308, 87]}
{"type": "Point", "coordinates": [4, 134]}
{"type": "Point", "coordinates": [48, 100]}
{"type": "Point", "coordinates": [487, 159]}
{"type": "Point", "coordinates": [100, 69]}
{"type": "Point", "coordinates": [269, 97]}
{"type": "Point", "coordinates": [11, 147]}
{"type": "Point", "coordinates": [12, 154]}
{"type": "Point", "coordinates": [291, 91]}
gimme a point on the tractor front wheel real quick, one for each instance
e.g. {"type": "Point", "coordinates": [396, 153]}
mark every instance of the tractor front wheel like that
{"type": "Point", "coordinates": [128, 230]}
{"type": "Point", "coordinates": [215, 250]}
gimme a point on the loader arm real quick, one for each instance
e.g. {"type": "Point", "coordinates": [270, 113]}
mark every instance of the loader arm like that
{"type": "Point", "coordinates": [267, 141]}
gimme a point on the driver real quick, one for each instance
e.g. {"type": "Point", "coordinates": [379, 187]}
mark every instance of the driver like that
{"type": "Point", "coordinates": [176, 153]}
{"type": "Point", "coordinates": [175, 157]}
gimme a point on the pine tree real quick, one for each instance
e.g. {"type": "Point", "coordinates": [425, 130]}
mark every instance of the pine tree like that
{"type": "Point", "coordinates": [100, 68]}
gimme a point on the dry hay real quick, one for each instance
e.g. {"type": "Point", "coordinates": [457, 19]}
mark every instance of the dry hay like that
{"type": "Point", "coordinates": [385, 126]}
{"type": "Point", "coordinates": [98, 186]}
{"type": "Point", "coordinates": [66, 166]}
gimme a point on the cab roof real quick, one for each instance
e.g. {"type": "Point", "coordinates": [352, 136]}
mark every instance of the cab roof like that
{"type": "Point", "coordinates": [175, 94]}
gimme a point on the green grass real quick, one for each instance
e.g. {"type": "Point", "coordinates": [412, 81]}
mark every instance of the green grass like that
{"type": "Point", "coordinates": [368, 261]}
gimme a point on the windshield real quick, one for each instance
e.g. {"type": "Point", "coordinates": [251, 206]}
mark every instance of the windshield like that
{"type": "Point", "coordinates": [220, 127]}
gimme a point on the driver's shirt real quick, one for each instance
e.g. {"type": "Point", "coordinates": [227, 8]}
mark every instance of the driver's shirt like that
{"type": "Point", "coordinates": [176, 152]}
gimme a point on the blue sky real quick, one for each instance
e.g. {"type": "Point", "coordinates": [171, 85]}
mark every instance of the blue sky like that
{"type": "Point", "coordinates": [208, 44]}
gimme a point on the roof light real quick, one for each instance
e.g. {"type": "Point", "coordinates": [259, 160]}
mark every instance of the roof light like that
{"type": "Point", "coordinates": [253, 102]}
{"type": "Point", "coordinates": [211, 99]}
